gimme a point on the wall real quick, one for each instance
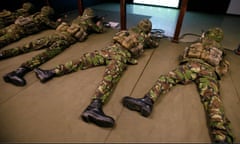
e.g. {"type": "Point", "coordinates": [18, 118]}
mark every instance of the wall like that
{"type": "Point", "coordinates": [234, 7]}
{"type": "Point", "coordinates": [208, 6]}
{"type": "Point", "coordinates": [62, 6]}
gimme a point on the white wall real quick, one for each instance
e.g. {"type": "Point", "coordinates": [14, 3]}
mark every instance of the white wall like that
{"type": "Point", "coordinates": [234, 7]}
{"type": "Point", "coordinates": [167, 3]}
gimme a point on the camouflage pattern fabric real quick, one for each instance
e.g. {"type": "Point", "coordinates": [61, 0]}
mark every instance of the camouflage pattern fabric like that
{"type": "Point", "coordinates": [196, 67]}
{"type": "Point", "coordinates": [8, 17]}
{"type": "Point", "coordinates": [116, 57]}
{"type": "Point", "coordinates": [206, 80]}
{"type": "Point", "coordinates": [211, 55]}
{"type": "Point", "coordinates": [25, 26]}
{"type": "Point", "coordinates": [56, 43]}
{"type": "Point", "coordinates": [40, 43]}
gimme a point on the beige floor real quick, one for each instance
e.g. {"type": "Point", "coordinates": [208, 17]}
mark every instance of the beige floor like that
{"type": "Point", "coordinates": [50, 112]}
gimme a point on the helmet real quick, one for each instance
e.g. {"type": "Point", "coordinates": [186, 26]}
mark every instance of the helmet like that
{"type": "Point", "coordinates": [145, 25]}
{"type": "Point", "coordinates": [27, 6]}
{"type": "Point", "coordinates": [47, 11]}
{"type": "Point", "coordinates": [214, 34]}
{"type": "Point", "coordinates": [88, 12]}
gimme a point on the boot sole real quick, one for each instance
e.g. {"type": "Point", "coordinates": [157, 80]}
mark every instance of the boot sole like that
{"type": "Point", "coordinates": [90, 118]}
{"type": "Point", "coordinates": [41, 79]}
{"type": "Point", "coordinates": [136, 107]}
{"type": "Point", "coordinates": [8, 80]}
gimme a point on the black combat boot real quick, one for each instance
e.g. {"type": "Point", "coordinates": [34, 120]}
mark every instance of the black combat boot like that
{"type": "Point", "coordinates": [237, 50]}
{"type": "Point", "coordinates": [16, 77]}
{"type": "Point", "coordinates": [142, 105]}
{"type": "Point", "coordinates": [2, 56]}
{"type": "Point", "coordinates": [94, 113]}
{"type": "Point", "coordinates": [44, 75]}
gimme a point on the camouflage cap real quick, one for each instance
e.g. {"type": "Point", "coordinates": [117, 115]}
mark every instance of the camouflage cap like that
{"type": "Point", "coordinates": [27, 6]}
{"type": "Point", "coordinates": [145, 25]}
{"type": "Point", "coordinates": [47, 11]}
{"type": "Point", "coordinates": [214, 34]}
{"type": "Point", "coordinates": [88, 12]}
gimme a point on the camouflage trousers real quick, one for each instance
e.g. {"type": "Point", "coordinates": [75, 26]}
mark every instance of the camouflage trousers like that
{"type": "Point", "coordinates": [6, 21]}
{"type": "Point", "coordinates": [115, 58]}
{"type": "Point", "coordinates": [208, 86]}
{"type": "Point", "coordinates": [54, 44]}
{"type": "Point", "coordinates": [10, 34]}
{"type": "Point", "coordinates": [15, 32]}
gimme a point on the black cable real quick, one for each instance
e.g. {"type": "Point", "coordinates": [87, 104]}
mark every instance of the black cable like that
{"type": "Point", "coordinates": [182, 36]}
{"type": "Point", "coordinates": [158, 33]}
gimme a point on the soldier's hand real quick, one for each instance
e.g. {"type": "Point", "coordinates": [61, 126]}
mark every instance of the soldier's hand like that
{"type": "Point", "coordinates": [99, 23]}
{"type": "Point", "coordinates": [59, 20]}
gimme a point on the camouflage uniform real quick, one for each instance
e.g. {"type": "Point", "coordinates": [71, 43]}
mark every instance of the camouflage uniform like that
{"type": "Point", "coordinates": [24, 26]}
{"type": "Point", "coordinates": [64, 36]}
{"type": "Point", "coordinates": [8, 17]}
{"type": "Point", "coordinates": [125, 48]}
{"type": "Point", "coordinates": [203, 63]}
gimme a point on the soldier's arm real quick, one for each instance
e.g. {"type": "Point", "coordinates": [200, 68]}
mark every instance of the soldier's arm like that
{"type": "Point", "coordinates": [96, 25]}
{"type": "Point", "coordinates": [223, 67]}
{"type": "Point", "coordinates": [52, 24]}
{"type": "Point", "coordinates": [150, 42]}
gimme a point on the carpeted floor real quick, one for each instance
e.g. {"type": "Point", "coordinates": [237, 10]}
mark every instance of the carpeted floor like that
{"type": "Point", "coordinates": [50, 112]}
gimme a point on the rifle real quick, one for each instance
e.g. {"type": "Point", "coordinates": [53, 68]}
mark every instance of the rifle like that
{"type": "Point", "coordinates": [98, 18]}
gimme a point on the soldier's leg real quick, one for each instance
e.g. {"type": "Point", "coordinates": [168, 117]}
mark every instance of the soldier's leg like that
{"type": "Point", "coordinates": [3, 41]}
{"type": "Point", "coordinates": [3, 31]}
{"type": "Point", "coordinates": [88, 60]}
{"type": "Point", "coordinates": [12, 34]}
{"type": "Point", "coordinates": [17, 77]}
{"type": "Point", "coordinates": [2, 25]}
{"type": "Point", "coordinates": [55, 49]}
{"type": "Point", "coordinates": [112, 75]}
{"type": "Point", "coordinates": [94, 113]}
{"type": "Point", "coordinates": [28, 47]}
{"type": "Point", "coordinates": [183, 74]}
{"type": "Point", "coordinates": [218, 123]}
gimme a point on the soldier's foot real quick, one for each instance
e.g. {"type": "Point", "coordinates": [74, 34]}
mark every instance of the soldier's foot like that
{"type": "Point", "coordinates": [141, 105]}
{"type": "Point", "coordinates": [2, 56]}
{"type": "Point", "coordinates": [44, 75]}
{"type": "Point", "coordinates": [14, 79]}
{"type": "Point", "coordinates": [98, 119]}
{"type": "Point", "coordinates": [237, 51]}
{"type": "Point", "coordinates": [94, 114]}
{"type": "Point", "coordinates": [17, 77]}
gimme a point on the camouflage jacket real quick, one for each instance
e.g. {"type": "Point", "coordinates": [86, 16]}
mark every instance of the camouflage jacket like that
{"type": "Point", "coordinates": [35, 23]}
{"type": "Point", "coordinates": [7, 17]}
{"type": "Point", "coordinates": [209, 54]}
{"type": "Point", "coordinates": [135, 41]}
{"type": "Point", "coordinates": [80, 28]}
